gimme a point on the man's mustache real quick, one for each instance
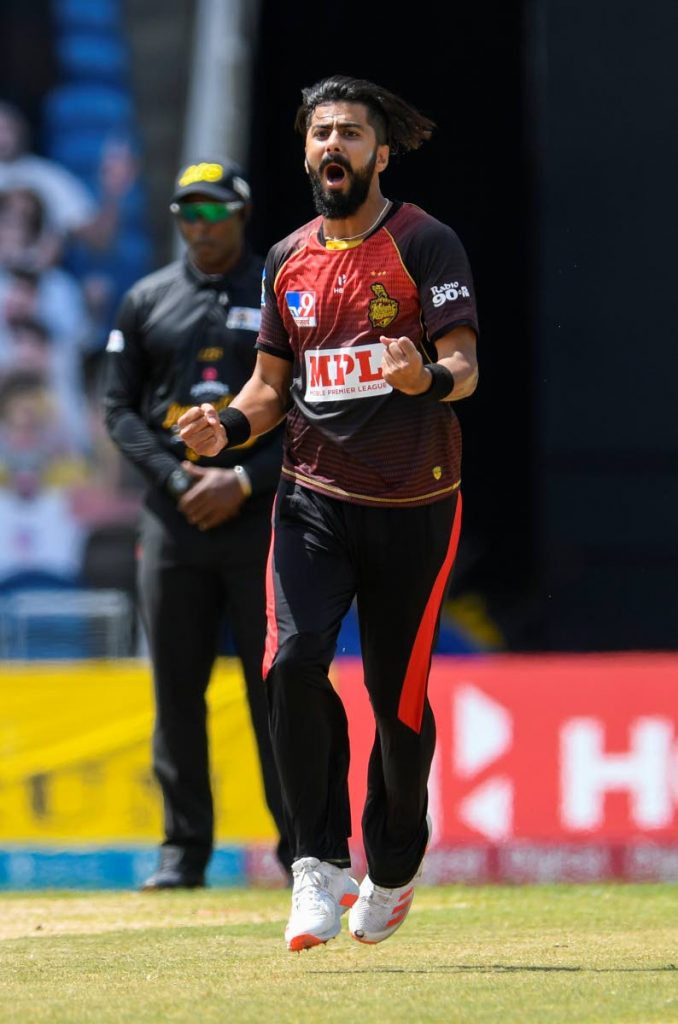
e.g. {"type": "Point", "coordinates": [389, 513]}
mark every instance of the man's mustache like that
{"type": "Point", "coordinates": [342, 161]}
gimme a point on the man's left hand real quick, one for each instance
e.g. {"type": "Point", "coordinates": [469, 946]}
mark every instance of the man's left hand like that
{"type": "Point", "coordinates": [402, 366]}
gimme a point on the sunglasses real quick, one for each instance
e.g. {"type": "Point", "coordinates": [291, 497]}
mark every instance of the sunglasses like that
{"type": "Point", "coordinates": [213, 213]}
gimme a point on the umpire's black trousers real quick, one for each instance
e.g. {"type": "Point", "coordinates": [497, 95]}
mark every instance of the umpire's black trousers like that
{"type": "Point", "coordinates": [396, 562]}
{"type": "Point", "coordinates": [188, 584]}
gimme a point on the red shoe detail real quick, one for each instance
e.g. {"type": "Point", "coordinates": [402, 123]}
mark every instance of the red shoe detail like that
{"type": "Point", "coordinates": [300, 942]}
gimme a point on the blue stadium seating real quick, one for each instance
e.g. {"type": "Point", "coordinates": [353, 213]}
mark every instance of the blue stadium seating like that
{"type": "Point", "coordinates": [80, 151]}
{"type": "Point", "coordinates": [92, 106]}
{"type": "Point", "coordinates": [76, 15]}
{"type": "Point", "coordinates": [84, 106]}
{"type": "Point", "coordinates": [93, 56]}
{"type": "Point", "coordinates": [35, 579]}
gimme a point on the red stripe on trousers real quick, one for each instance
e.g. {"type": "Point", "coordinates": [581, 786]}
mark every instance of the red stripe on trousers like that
{"type": "Point", "coordinates": [411, 707]}
{"type": "Point", "coordinates": [271, 646]}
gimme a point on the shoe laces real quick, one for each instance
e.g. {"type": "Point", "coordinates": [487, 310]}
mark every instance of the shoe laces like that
{"type": "Point", "coordinates": [381, 897]}
{"type": "Point", "coordinates": [310, 884]}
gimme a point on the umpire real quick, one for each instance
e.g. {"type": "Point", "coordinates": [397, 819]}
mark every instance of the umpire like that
{"type": "Point", "coordinates": [185, 335]}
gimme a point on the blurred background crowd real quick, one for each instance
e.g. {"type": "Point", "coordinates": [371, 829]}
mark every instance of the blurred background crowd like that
{"type": "Point", "coordinates": [551, 160]}
{"type": "Point", "coordinates": [72, 240]}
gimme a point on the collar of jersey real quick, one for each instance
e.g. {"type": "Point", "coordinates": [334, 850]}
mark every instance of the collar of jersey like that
{"type": "Point", "coordinates": [338, 243]}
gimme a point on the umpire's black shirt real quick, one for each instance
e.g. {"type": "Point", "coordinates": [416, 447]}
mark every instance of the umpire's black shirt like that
{"type": "Point", "coordinates": [181, 338]}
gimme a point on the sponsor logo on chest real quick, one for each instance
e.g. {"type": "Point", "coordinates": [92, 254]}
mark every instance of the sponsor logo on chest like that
{"type": "Point", "coordinates": [382, 308]}
{"type": "Point", "coordinates": [335, 374]}
{"type": "Point", "coordinates": [302, 306]}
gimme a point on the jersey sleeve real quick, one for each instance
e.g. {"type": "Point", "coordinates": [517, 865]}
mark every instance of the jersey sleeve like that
{"type": "Point", "coordinates": [123, 391]}
{"type": "Point", "coordinates": [438, 263]}
{"type": "Point", "coordinates": [273, 337]}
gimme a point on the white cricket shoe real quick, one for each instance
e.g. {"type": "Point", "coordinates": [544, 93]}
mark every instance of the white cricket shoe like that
{"type": "Point", "coordinates": [379, 912]}
{"type": "Point", "coordinates": [321, 893]}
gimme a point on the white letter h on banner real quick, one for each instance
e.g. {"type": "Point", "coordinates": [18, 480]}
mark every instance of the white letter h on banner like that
{"type": "Point", "coordinates": [587, 773]}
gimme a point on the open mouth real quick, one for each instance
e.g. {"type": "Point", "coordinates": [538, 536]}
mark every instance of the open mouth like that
{"type": "Point", "coordinates": [335, 174]}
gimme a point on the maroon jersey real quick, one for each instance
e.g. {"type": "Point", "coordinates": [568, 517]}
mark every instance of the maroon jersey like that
{"type": "Point", "coordinates": [350, 434]}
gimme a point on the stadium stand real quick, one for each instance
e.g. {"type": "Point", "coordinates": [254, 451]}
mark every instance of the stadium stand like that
{"type": "Point", "coordinates": [72, 202]}
{"type": "Point", "coordinates": [89, 127]}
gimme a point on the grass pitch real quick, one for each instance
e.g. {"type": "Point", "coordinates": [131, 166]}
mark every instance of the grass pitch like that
{"type": "Point", "coordinates": [597, 954]}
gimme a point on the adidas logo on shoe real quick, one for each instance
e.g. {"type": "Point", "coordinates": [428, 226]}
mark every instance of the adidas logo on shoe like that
{"type": "Point", "coordinates": [379, 912]}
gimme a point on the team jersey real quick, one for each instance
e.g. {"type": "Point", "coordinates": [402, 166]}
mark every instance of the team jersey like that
{"type": "Point", "coordinates": [349, 434]}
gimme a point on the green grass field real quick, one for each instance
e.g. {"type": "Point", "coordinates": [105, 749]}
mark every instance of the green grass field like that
{"type": "Point", "coordinates": [546, 954]}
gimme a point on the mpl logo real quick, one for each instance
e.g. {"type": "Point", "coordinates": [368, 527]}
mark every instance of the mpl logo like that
{"type": "Point", "coordinates": [302, 307]}
{"type": "Point", "coordinates": [334, 374]}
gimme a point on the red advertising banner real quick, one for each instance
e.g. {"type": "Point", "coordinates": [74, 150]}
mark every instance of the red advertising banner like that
{"type": "Point", "coordinates": [556, 766]}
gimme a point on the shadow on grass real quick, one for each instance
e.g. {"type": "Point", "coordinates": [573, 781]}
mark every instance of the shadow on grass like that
{"type": "Point", "coordinates": [498, 969]}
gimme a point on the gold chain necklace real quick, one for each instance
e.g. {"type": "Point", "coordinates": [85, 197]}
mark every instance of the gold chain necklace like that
{"type": "Point", "coordinates": [352, 238]}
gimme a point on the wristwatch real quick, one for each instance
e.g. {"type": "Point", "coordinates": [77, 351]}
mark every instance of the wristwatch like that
{"type": "Point", "coordinates": [243, 479]}
{"type": "Point", "coordinates": [178, 482]}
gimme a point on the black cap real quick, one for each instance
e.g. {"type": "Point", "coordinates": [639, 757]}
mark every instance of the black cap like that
{"type": "Point", "coordinates": [217, 177]}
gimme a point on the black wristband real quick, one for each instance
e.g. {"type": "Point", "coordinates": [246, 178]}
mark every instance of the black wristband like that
{"type": "Point", "coordinates": [236, 425]}
{"type": "Point", "coordinates": [442, 383]}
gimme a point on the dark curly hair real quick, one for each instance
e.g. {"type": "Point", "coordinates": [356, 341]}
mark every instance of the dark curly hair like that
{"type": "Point", "coordinates": [396, 123]}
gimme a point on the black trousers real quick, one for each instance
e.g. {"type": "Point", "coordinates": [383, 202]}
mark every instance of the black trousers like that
{"type": "Point", "coordinates": [188, 585]}
{"type": "Point", "coordinates": [396, 562]}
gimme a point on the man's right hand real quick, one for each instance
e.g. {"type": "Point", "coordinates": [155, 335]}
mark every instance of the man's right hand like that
{"type": "Point", "coordinates": [201, 429]}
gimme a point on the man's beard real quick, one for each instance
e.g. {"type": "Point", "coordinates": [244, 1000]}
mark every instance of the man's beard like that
{"type": "Point", "coordinates": [338, 205]}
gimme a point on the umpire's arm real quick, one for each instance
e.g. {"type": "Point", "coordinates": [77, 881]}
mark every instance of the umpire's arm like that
{"type": "Point", "coordinates": [123, 382]}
